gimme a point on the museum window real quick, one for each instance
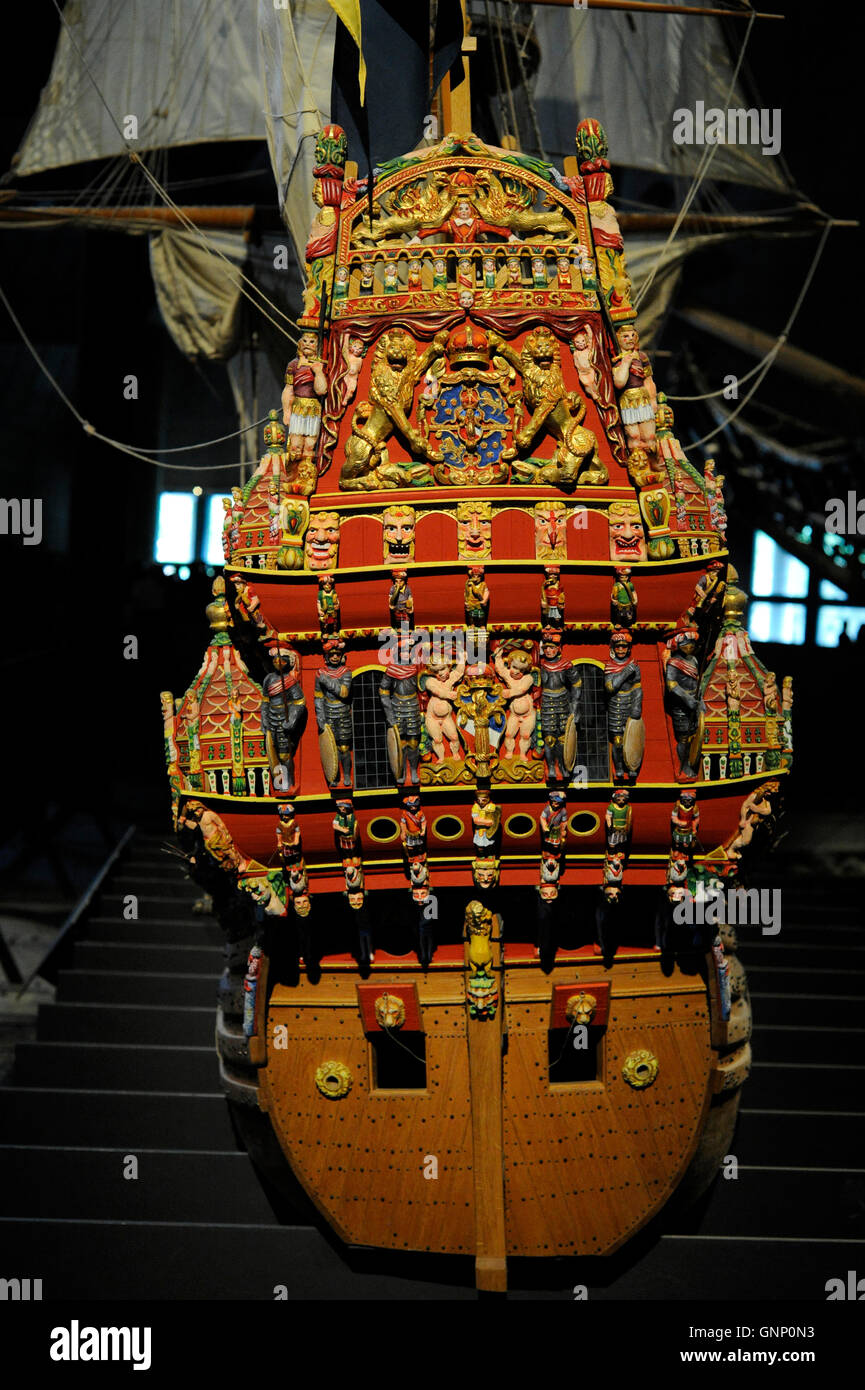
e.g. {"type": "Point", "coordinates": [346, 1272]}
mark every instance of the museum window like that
{"type": "Point", "coordinates": [790, 602]}
{"type": "Point", "coordinates": [188, 529]}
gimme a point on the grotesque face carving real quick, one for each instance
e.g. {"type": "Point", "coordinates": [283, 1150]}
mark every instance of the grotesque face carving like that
{"type": "Point", "coordinates": [550, 539]}
{"type": "Point", "coordinates": [389, 1011]}
{"type": "Point", "coordinates": [322, 541]}
{"type": "Point", "coordinates": [627, 541]}
{"type": "Point", "coordinates": [398, 527]}
{"type": "Point", "coordinates": [474, 530]}
{"type": "Point", "coordinates": [485, 873]}
{"type": "Point", "coordinates": [580, 1008]}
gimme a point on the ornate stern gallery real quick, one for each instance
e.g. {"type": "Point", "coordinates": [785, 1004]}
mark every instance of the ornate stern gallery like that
{"type": "Point", "coordinates": [477, 712]}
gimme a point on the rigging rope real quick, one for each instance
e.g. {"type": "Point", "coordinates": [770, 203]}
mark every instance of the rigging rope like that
{"type": "Point", "coordinates": [169, 201]}
{"type": "Point", "coordinates": [773, 352]}
{"type": "Point", "coordinates": [702, 170]}
{"type": "Point", "coordinates": [116, 443]}
{"type": "Point", "coordinates": [525, 81]}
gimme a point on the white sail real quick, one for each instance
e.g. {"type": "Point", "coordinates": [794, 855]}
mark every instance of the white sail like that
{"type": "Point", "coordinates": [632, 72]}
{"type": "Point", "coordinates": [296, 47]}
{"type": "Point", "coordinates": [186, 70]}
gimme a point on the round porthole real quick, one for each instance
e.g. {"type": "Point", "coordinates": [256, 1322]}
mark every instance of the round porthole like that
{"type": "Point", "coordinates": [584, 822]}
{"type": "Point", "coordinates": [520, 826]}
{"type": "Point", "coordinates": [448, 828]}
{"type": "Point", "coordinates": [382, 829]}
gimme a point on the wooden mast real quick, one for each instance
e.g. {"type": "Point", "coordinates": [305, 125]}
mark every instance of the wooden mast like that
{"type": "Point", "coordinates": [457, 101]}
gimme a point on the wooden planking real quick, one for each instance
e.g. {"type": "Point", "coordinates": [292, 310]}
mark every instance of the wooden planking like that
{"type": "Point", "coordinates": [580, 1167]}
{"type": "Point", "coordinates": [587, 1164]}
{"type": "Point", "coordinates": [362, 1158]}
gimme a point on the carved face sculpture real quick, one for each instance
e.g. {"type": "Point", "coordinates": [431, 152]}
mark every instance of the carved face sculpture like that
{"type": "Point", "coordinates": [322, 541]}
{"type": "Point", "coordinates": [474, 530]}
{"type": "Point", "coordinates": [389, 1011]}
{"type": "Point", "coordinates": [367, 277]}
{"type": "Point", "coordinates": [550, 522]}
{"type": "Point", "coordinates": [580, 1008]}
{"type": "Point", "coordinates": [628, 337]}
{"type": "Point", "coordinates": [514, 270]}
{"type": "Point", "coordinates": [390, 274]}
{"type": "Point", "coordinates": [485, 873]}
{"type": "Point", "coordinates": [307, 346]}
{"type": "Point", "coordinates": [627, 541]}
{"type": "Point", "coordinates": [439, 265]}
{"type": "Point", "coordinates": [398, 527]}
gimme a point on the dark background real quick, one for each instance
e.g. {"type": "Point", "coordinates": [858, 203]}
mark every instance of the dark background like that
{"type": "Point", "coordinates": [93, 733]}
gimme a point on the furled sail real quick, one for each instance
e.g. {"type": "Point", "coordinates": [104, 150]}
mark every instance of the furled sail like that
{"type": "Point", "coordinates": [187, 70]}
{"type": "Point", "coordinates": [633, 71]}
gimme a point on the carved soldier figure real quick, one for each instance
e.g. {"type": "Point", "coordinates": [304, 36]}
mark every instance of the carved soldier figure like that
{"type": "Point", "coordinates": [283, 714]}
{"type": "Point", "coordinates": [401, 600]}
{"type": "Point", "coordinates": [477, 597]}
{"type": "Point", "coordinates": [398, 692]}
{"type": "Point", "coordinates": [682, 684]}
{"type": "Point", "coordinates": [685, 821]}
{"type": "Point", "coordinates": [333, 713]}
{"type": "Point", "coordinates": [623, 599]}
{"type": "Point", "coordinates": [412, 828]}
{"type": "Point", "coordinates": [561, 689]}
{"type": "Point", "coordinates": [288, 835]}
{"type": "Point", "coordinates": [618, 820]}
{"type": "Point", "coordinates": [305, 383]}
{"type": "Point", "coordinates": [552, 598]}
{"type": "Point", "coordinates": [624, 696]}
{"type": "Point", "coordinates": [328, 604]}
{"type": "Point", "coordinates": [486, 819]}
{"type": "Point", "coordinates": [345, 827]}
{"type": "Point", "coordinates": [554, 822]}
{"type": "Point", "coordinates": [632, 374]}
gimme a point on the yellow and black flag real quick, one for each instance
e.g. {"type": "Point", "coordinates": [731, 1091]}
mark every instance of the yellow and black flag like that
{"type": "Point", "coordinates": [383, 79]}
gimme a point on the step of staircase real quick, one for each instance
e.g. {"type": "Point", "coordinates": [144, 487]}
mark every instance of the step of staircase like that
{"type": "Point", "coordinates": [124, 1065]}
{"type": "Point", "coordinates": [86, 1184]}
{"type": "Point", "coordinates": [90, 1117]}
{"type": "Point", "coordinates": [127, 1023]}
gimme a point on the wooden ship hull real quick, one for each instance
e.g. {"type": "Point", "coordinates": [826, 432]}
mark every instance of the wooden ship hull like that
{"type": "Point", "coordinates": [477, 646]}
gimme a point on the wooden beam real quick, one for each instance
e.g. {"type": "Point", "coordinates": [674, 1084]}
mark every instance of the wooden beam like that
{"type": "Point", "coordinates": [789, 359]}
{"type": "Point", "coordinates": [715, 222]}
{"type": "Point", "coordinates": [651, 7]}
{"type": "Point", "coordinates": [224, 217]}
{"type": "Point", "coordinates": [485, 1037]}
